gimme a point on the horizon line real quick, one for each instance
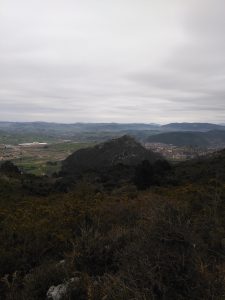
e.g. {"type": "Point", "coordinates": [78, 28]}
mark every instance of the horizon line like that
{"type": "Point", "coordinates": [119, 123]}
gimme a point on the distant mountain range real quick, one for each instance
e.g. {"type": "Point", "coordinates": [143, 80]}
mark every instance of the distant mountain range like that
{"type": "Point", "coordinates": [210, 138]}
{"type": "Point", "coordinates": [192, 127]}
{"type": "Point", "coordinates": [77, 127]}
{"type": "Point", "coordinates": [20, 132]}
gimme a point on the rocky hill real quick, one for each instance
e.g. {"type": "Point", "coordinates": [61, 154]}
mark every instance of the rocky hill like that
{"type": "Point", "coordinates": [124, 150]}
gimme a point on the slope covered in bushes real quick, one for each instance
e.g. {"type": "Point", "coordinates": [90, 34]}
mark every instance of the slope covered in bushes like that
{"type": "Point", "coordinates": [144, 239]}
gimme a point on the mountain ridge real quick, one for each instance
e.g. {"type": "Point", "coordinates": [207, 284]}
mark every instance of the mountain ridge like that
{"type": "Point", "coordinates": [212, 138]}
{"type": "Point", "coordinates": [186, 126]}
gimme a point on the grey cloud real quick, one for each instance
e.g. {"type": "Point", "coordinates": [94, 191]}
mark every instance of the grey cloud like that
{"type": "Point", "coordinates": [125, 61]}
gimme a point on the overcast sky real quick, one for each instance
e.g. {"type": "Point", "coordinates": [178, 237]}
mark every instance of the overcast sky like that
{"type": "Point", "coordinates": [112, 60]}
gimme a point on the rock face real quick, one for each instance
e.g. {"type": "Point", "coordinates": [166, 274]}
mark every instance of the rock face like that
{"type": "Point", "coordinates": [57, 292]}
{"type": "Point", "coordinates": [124, 150]}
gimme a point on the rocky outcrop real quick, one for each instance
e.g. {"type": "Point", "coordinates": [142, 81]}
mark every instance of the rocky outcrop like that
{"type": "Point", "coordinates": [59, 291]}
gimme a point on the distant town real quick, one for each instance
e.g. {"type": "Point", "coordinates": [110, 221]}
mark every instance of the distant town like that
{"type": "Point", "coordinates": [175, 153]}
{"type": "Point", "coordinates": [11, 152]}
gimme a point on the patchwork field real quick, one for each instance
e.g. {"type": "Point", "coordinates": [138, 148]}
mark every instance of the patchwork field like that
{"type": "Point", "coordinates": [41, 160]}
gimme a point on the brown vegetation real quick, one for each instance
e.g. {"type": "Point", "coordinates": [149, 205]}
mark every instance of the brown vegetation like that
{"type": "Point", "coordinates": [158, 244]}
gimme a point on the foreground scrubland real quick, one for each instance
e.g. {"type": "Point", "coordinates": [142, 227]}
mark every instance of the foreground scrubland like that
{"type": "Point", "coordinates": [164, 242]}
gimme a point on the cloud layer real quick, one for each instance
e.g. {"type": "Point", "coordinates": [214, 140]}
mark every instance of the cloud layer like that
{"type": "Point", "coordinates": [104, 61]}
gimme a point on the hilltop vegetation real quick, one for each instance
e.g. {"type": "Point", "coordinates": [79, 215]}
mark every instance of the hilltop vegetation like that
{"type": "Point", "coordinates": [124, 150]}
{"type": "Point", "coordinates": [203, 169]}
{"type": "Point", "coordinates": [156, 234]}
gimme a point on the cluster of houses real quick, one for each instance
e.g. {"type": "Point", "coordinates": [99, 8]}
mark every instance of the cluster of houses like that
{"type": "Point", "coordinates": [8, 152]}
{"type": "Point", "coordinates": [172, 152]}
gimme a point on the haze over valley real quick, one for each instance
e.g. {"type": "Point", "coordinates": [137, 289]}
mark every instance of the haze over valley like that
{"type": "Point", "coordinates": [40, 147]}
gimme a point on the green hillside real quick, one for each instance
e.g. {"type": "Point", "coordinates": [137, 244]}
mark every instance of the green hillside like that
{"type": "Point", "coordinates": [202, 127]}
{"type": "Point", "coordinates": [212, 138]}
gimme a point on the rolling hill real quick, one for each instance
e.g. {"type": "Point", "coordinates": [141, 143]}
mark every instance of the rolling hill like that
{"type": "Point", "coordinates": [19, 132]}
{"type": "Point", "coordinates": [191, 127]}
{"type": "Point", "coordinates": [213, 138]}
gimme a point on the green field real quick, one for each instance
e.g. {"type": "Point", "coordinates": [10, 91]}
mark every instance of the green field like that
{"type": "Point", "coordinates": [47, 160]}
